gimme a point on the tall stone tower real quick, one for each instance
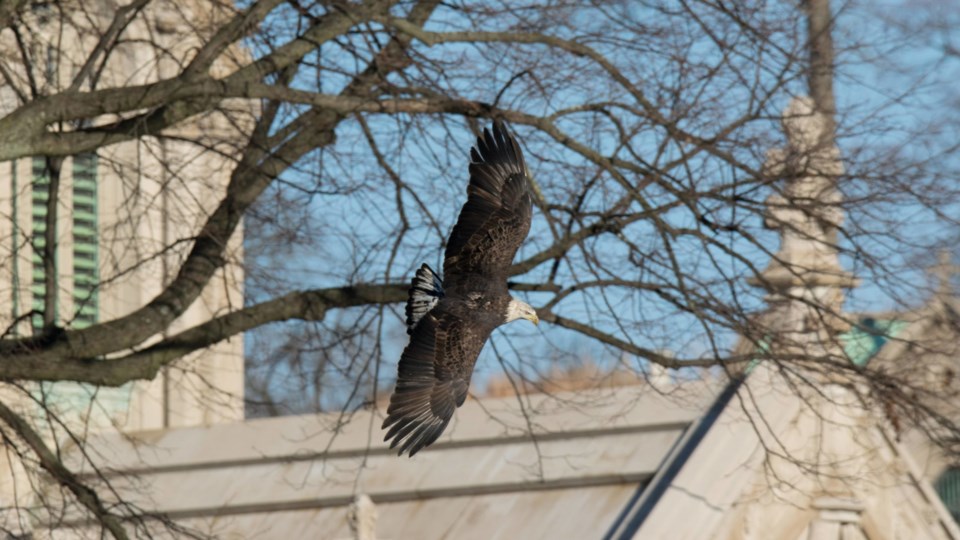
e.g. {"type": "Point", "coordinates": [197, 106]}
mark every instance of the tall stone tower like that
{"type": "Point", "coordinates": [125, 214]}
{"type": "Point", "coordinates": [830, 451]}
{"type": "Point", "coordinates": [804, 280]}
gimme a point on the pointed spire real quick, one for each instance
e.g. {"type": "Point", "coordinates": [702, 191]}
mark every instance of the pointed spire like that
{"type": "Point", "coordinates": [806, 211]}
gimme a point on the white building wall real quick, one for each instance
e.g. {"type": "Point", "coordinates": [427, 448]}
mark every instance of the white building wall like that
{"type": "Point", "coordinates": [151, 195]}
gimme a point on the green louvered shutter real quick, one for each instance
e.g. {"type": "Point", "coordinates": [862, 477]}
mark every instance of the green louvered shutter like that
{"type": "Point", "coordinates": [40, 194]}
{"type": "Point", "coordinates": [14, 211]}
{"type": "Point", "coordinates": [948, 487]}
{"type": "Point", "coordinates": [84, 229]}
{"type": "Point", "coordinates": [85, 257]}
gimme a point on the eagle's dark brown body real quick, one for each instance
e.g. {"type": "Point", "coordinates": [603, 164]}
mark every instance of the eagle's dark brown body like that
{"type": "Point", "coordinates": [450, 319]}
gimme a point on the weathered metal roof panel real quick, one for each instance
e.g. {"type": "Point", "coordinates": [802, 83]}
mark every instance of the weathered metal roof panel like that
{"type": "Point", "coordinates": [561, 466]}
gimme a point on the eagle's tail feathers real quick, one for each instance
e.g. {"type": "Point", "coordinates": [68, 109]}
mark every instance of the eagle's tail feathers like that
{"type": "Point", "coordinates": [426, 290]}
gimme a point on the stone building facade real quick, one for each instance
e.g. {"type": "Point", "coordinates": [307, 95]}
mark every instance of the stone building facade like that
{"type": "Point", "coordinates": [126, 214]}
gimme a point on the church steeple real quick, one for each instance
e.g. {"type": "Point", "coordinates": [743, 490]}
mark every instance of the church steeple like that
{"type": "Point", "coordinates": [804, 279]}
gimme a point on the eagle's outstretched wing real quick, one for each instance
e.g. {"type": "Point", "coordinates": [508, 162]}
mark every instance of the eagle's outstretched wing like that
{"type": "Point", "coordinates": [432, 379]}
{"type": "Point", "coordinates": [496, 217]}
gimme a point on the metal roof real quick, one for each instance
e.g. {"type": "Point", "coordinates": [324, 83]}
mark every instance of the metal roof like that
{"type": "Point", "coordinates": [553, 466]}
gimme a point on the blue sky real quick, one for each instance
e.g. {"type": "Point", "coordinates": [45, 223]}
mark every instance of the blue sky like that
{"type": "Point", "coordinates": [342, 219]}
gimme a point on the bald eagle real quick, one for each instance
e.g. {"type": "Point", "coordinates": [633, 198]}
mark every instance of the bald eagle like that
{"type": "Point", "coordinates": [450, 318]}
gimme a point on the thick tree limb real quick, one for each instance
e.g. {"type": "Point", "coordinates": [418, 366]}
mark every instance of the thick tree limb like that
{"type": "Point", "coordinates": [9, 10]}
{"type": "Point", "coordinates": [121, 19]}
{"type": "Point", "coordinates": [311, 305]}
{"type": "Point", "coordinates": [72, 351]}
{"type": "Point", "coordinates": [304, 305]}
{"type": "Point", "coordinates": [23, 132]}
{"type": "Point", "coordinates": [155, 122]}
{"type": "Point", "coordinates": [66, 478]}
{"type": "Point", "coordinates": [238, 27]}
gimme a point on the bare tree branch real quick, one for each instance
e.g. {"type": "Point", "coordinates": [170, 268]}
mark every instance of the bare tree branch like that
{"type": "Point", "coordinates": [56, 469]}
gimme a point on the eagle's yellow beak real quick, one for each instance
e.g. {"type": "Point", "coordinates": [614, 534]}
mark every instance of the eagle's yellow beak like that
{"type": "Point", "coordinates": [534, 319]}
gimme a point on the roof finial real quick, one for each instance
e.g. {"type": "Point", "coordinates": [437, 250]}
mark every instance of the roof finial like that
{"type": "Point", "coordinates": [362, 517]}
{"type": "Point", "coordinates": [942, 272]}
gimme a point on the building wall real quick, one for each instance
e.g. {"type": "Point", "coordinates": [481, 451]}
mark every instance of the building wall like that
{"type": "Point", "coordinates": [152, 197]}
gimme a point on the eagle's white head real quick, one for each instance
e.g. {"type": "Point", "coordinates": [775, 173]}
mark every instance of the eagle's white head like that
{"type": "Point", "coordinates": [518, 309]}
